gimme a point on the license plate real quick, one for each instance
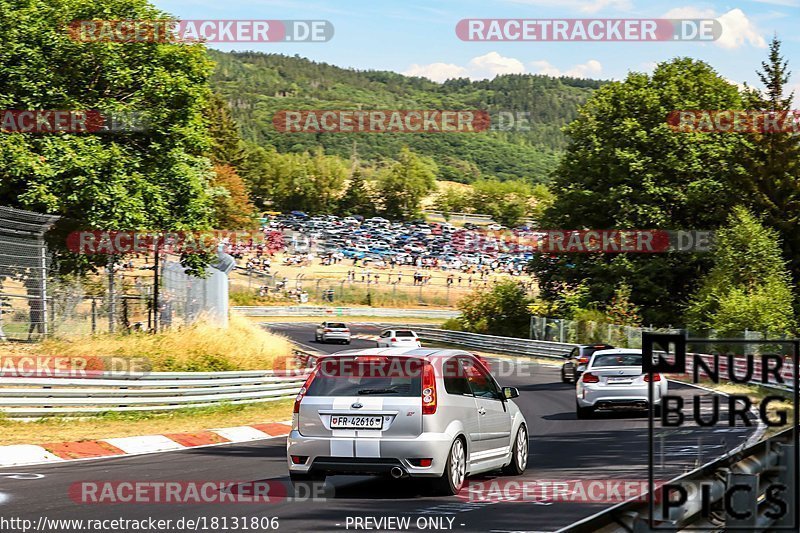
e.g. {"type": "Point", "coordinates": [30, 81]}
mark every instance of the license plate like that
{"type": "Point", "coordinates": [620, 380]}
{"type": "Point", "coordinates": [356, 422]}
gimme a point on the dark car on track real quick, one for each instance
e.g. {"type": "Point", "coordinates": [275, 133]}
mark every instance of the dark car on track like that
{"type": "Point", "coordinates": [577, 359]}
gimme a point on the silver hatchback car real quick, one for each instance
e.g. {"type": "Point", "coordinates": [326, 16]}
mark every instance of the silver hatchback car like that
{"type": "Point", "coordinates": [400, 412]}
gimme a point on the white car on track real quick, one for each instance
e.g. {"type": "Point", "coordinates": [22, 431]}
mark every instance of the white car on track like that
{"type": "Point", "coordinates": [398, 338]}
{"type": "Point", "coordinates": [613, 379]}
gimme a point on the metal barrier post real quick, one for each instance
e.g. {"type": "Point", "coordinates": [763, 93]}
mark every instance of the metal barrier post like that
{"type": "Point", "coordinates": [741, 505]}
{"type": "Point", "coordinates": [787, 461]}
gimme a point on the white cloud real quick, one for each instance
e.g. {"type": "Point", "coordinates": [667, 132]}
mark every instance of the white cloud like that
{"type": "Point", "coordinates": [486, 66]}
{"type": "Point", "coordinates": [586, 70]}
{"type": "Point", "coordinates": [493, 64]}
{"type": "Point", "coordinates": [737, 29]}
{"type": "Point", "coordinates": [584, 6]}
{"type": "Point", "coordinates": [436, 71]}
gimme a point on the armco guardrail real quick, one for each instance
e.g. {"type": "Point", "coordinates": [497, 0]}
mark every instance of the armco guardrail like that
{"type": "Point", "coordinates": [156, 391]}
{"type": "Point", "coordinates": [758, 467]}
{"type": "Point", "coordinates": [491, 343]}
{"type": "Point", "coordinates": [556, 350]}
{"type": "Point", "coordinates": [309, 310]}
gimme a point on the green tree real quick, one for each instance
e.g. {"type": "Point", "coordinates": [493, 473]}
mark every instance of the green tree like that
{"type": "Point", "coordinates": [771, 185]}
{"type": "Point", "coordinates": [156, 178]}
{"type": "Point", "coordinates": [502, 310]}
{"type": "Point", "coordinates": [625, 168]}
{"type": "Point", "coordinates": [749, 286]}
{"type": "Point", "coordinates": [306, 182]}
{"type": "Point", "coordinates": [507, 201]}
{"type": "Point", "coordinates": [358, 198]}
{"type": "Point", "coordinates": [232, 206]}
{"type": "Point", "coordinates": [621, 310]}
{"type": "Point", "coordinates": [227, 147]}
{"type": "Point", "coordinates": [405, 183]}
{"type": "Point", "coordinates": [450, 200]}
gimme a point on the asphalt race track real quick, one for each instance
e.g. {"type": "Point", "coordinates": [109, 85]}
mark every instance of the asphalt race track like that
{"type": "Point", "coordinates": [561, 448]}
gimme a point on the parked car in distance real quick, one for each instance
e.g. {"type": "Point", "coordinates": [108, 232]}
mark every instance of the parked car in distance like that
{"type": "Point", "coordinates": [399, 338]}
{"type": "Point", "coordinates": [614, 380]}
{"type": "Point", "coordinates": [333, 332]}
{"type": "Point", "coordinates": [420, 413]}
{"type": "Point", "coordinates": [577, 359]}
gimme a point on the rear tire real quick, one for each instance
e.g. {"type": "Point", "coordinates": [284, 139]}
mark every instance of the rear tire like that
{"type": "Point", "coordinates": [584, 412]}
{"type": "Point", "coordinates": [519, 454]}
{"type": "Point", "coordinates": [454, 471]}
{"type": "Point", "coordinates": [563, 376]}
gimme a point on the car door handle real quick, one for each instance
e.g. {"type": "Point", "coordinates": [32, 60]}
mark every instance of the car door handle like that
{"type": "Point", "coordinates": [481, 411]}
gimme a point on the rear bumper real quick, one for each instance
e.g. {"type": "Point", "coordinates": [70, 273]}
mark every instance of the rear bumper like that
{"type": "Point", "coordinates": [354, 456]}
{"type": "Point", "coordinates": [617, 397]}
{"type": "Point", "coordinates": [335, 336]}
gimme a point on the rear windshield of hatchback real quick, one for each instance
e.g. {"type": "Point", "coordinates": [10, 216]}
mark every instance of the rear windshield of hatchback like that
{"type": "Point", "coordinates": [367, 376]}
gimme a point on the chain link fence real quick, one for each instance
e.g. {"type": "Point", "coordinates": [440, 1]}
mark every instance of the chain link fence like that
{"type": "Point", "coordinates": [37, 301]}
{"type": "Point", "coordinates": [589, 332]}
{"type": "Point", "coordinates": [24, 267]}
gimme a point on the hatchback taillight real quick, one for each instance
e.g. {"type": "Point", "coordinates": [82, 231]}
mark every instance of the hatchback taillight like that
{"type": "Point", "coordinates": [588, 377]}
{"type": "Point", "coordinates": [393, 339]}
{"type": "Point", "coordinates": [583, 360]}
{"type": "Point", "coordinates": [303, 391]}
{"type": "Point", "coordinates": [428, 390]}
{"type": "Point", "coordinates": [656, 377]}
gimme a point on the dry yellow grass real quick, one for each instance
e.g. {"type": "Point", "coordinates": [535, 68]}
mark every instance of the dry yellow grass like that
{"type": "Point", "coordinates": [199, 347]}
{"type": "Point", "coordinates": [106, 427]}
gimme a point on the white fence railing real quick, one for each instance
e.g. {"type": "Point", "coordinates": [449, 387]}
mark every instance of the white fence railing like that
{"type": "Point", "coordinates": [310, 310]}
{"type": "Point", "coordinates": [156, 391]}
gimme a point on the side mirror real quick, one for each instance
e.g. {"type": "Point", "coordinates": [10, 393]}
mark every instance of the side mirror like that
{"type": "Point", "coordinates": [510, 393]}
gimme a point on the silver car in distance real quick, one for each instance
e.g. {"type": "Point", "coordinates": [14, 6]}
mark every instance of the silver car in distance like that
{"type": "Point", "coordinates": [613, 379]}
{"type": "Point", "coordinates": [400, 412]}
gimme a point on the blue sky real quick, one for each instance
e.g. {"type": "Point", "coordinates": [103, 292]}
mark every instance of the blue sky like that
{"type": "Point", "coordinates": [417, 37]}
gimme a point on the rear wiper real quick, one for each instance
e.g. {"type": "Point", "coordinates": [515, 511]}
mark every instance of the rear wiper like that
{"type": "Point", "coordinates": [378, 391]}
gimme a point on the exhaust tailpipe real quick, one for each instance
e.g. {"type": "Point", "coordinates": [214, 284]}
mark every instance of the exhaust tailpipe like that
{"type": "Point", "coordinates": [397, 472]}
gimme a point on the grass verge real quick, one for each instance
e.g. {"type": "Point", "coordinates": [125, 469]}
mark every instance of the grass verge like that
{"type": "Point", "coordinates": [111, 425]}
{"type": "Point", "coordinates": [201, 347]}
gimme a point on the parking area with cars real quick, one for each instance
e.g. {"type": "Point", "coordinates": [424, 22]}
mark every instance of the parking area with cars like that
{"type": "Point", "coordinates": [379, 242]}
